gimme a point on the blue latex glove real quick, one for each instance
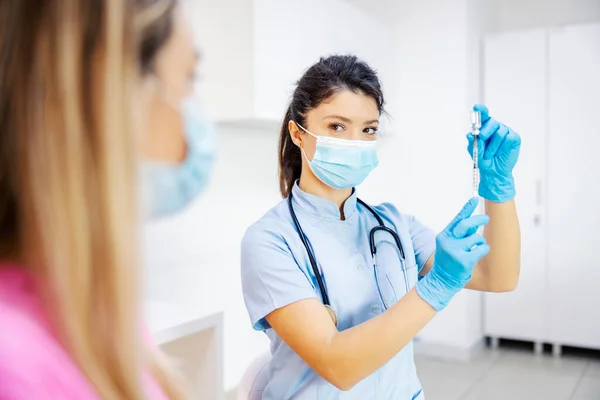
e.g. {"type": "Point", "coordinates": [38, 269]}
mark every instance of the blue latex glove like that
{"type": "Point", "coordinates": [499, 148]}
{"type": "Point", "coordinates": [458, 248]}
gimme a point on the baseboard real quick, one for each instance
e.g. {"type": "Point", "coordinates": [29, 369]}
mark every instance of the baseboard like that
{"type": "Point", "coordinates": [449, 352]}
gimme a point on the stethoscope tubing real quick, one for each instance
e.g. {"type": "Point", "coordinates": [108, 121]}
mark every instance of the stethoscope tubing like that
{"type": "Point", "coordinates": [313, 262]}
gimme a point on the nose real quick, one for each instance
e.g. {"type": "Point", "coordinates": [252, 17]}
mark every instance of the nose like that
{"type": "Point", "coordinates": [358, 134]}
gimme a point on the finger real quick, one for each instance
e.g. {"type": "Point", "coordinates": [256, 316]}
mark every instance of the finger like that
{"type": "Point", "coordinates": [513, 139]}
{"type": "Point", "coordinates": [469, 226]}
{"type": "Point", "coordinates": [466, 212]}
{"type": "Point", "coordinates": [483, 110]}
{"type": "Point", "coordinates": [479, 252]}
{"type": "Point", "coordinates": [470, 242]}
{"type": "Point", "coordinates": [495, 142]}
{"type": "Point", "coordinates": [488, 129]}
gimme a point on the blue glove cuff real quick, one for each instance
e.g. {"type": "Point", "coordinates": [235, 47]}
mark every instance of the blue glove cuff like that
{"type": "Point", "coordinates": [438, 290]}
{"type": "Point", "coordinates": [496, 188]}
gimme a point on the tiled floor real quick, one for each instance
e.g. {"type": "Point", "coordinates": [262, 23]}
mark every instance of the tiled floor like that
{"type": "Point", "coordinates": [512, 374]}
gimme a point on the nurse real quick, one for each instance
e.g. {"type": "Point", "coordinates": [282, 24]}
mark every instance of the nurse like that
{"type": "Point", "coordinates": [326, 149]}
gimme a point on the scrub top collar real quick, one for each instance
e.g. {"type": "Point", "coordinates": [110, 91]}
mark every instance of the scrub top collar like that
{"type": "Point", "coordinates": [322, 208]}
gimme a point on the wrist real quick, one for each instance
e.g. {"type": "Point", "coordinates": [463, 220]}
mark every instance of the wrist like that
{"type": "Point", "coordinates": [497, 188]}
{"type": "Point", "coordinates": [438, 288]}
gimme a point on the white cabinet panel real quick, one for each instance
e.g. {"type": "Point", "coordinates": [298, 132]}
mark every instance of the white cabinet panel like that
{"type": "Point", "coordinates": [546, 84]}
{"type": "Point", "coordinates": [290, 36]}
{"type": "Point", "coordinates": [254, 51]}
{"type": "Point", "coordinates": [515, 91]}
{"type": "Point", "coordinates": [574, 191]}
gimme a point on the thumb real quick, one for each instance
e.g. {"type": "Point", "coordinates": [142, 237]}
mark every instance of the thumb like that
{"type": "Point", "coordinates": [483, 110]}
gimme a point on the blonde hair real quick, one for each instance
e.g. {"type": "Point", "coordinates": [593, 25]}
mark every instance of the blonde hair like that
{"type": "Point", "coordinates": [68, 192]}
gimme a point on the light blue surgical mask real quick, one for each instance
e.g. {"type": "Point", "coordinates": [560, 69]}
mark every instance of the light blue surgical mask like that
{"type": "Point", "coordinates": [340, 163]}
{"type": "Point", "coordinates": [170, 187]}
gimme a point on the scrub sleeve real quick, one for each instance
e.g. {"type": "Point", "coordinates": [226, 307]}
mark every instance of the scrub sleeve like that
{"type": "Point", "coordinates": [271, 278]}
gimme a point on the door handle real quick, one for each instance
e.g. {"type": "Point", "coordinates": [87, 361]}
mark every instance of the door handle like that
{"type": "Point", "coordinates": [537, 220]}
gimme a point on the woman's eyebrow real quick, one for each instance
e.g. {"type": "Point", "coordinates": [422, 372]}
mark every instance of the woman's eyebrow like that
{"type": "Point", "coordinates": [347, 120]}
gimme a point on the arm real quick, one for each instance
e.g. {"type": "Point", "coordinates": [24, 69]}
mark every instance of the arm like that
{"type": "Point", "coordinates": [499, 148]}
{"type": "Point", "coordinates": [499, 270]}
{"type": "Point", "coordinates": [278, 295]}
{"type": "Point", "coordinates": [345, 358]}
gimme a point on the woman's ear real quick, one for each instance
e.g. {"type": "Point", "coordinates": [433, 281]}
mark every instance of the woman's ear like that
{"type": "Point", "coordinates": [295, 133]}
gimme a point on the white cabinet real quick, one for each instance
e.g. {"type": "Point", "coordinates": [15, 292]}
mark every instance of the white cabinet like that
{"type": "Point", "coordinates": [546, 85]}
{"type": "Point", "coordinates": [574, 190]}
{"type": "Point", "coordinates": [254, 51]}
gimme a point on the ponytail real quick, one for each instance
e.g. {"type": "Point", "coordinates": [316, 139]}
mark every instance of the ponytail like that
{"type": "Point", "coordinates": [290, 158]}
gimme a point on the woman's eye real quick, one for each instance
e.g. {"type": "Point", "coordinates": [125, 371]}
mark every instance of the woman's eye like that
{"type": "Point", "coordinates": [371, 131]}
{"type": "Point", "coordinates": [336, 127]}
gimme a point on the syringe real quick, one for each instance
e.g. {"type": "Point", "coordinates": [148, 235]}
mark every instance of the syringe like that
{"type": "Point", "coordinates": [475, 126]}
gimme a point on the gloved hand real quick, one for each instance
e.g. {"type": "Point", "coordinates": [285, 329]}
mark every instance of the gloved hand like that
{"type": "Point", "coordinates": [499, 148]}
{"type": "Point", "coordinates": [458, 248]}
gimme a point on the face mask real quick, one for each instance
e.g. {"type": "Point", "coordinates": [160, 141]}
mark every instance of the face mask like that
{"type": "Point", "coordinates": [168, 188]}
{"type": "Point", "coordinates": [342, 164]}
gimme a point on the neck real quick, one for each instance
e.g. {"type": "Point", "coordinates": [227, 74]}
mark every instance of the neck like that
{"type": "Point", "coordinates": [310, 184]}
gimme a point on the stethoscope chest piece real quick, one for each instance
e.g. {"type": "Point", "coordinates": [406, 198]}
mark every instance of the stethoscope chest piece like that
{"type": "Point", "coordinates": [332, 314]}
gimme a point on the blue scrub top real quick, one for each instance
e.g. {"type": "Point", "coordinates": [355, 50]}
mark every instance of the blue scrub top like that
{"type": "Point", "coordinates": [276, 272]}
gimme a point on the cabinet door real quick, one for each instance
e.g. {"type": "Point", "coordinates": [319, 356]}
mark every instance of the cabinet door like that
{"type": "Point", "coordinates": [515, 92]}
{"type": "Point", "coordinates": [574, 190]}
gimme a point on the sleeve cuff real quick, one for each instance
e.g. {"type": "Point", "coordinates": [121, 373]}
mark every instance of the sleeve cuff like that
{"type": "Point", "coordinates": [258, 319]}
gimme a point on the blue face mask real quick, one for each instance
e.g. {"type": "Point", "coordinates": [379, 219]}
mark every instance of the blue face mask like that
{"type": "Point", "coordinates": [342, 164]}
{"type": "Point", "coordinates": [169, 187]}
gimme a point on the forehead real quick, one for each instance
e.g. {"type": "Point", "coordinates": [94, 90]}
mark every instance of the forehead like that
{"type": "Point", "coordinates": [182, 33]}
{"type": "Point", "coordinates": [348, 104]}
{"type": "Point", "coordinates": [179, 47]}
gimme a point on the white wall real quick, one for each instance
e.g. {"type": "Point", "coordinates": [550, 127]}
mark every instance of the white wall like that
{"type": "Point", "coordinates": [438, 85]}
{"type": "Point", "coordinates": [505, 15]}
{"type": "Point", "coordinates": [500, 15]}
{"type": "Point", "coordinates": [223, 32]}
{"type": "Point", "coordinates": [291, 35]}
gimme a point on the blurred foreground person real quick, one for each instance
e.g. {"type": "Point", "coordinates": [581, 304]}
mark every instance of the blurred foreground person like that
{"type": "Point", "coordinates": [87, 88]}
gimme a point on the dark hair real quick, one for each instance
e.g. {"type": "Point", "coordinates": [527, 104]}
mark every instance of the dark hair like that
{"type": "Point", "coordinates": [155, 24]}
{"type": "Point", "coordinates": [321, 81]}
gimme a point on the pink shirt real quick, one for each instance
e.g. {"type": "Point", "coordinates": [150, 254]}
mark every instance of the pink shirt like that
{"type": "Point", "coordinates": [33, 365]}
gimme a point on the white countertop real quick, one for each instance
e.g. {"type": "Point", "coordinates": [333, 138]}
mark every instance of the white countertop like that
{"type": "Point", "coordinates": [168, 322]}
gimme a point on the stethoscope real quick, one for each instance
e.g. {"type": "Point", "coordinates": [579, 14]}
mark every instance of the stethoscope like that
{"type": "Point", "coordinates": [313, 261]}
